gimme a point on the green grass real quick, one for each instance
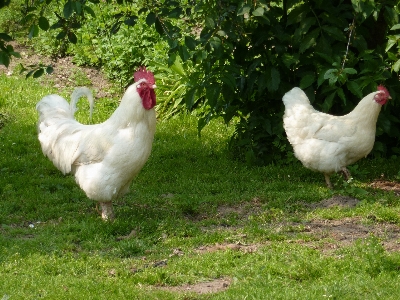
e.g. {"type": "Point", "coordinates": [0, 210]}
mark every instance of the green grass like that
{"type": "Point", "coordinates": [54, 245]}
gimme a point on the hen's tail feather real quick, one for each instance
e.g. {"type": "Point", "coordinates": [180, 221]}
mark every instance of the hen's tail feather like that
{"type": "Point", "coordinates": [78, 93]}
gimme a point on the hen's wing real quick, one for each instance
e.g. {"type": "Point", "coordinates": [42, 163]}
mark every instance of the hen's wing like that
{"type": "Point", "coordinates": [330, 128]}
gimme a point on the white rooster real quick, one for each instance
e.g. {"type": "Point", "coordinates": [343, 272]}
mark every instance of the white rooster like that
{"type": "Point", "coordinates": [327, 143]}
{"type": "Point", "coordinates": [103, 157]}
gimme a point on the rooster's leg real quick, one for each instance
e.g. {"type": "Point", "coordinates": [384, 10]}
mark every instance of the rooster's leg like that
{"type": "Point", "coordinates": [107, 213]}
{"type": "Point", "coordinates": [346, 173]}
{"type": "Point", "coordinates": [328, 181]}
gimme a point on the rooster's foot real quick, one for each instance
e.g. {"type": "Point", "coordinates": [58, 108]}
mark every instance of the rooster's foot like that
{"type": "Point", "coordinates": [107, 213]}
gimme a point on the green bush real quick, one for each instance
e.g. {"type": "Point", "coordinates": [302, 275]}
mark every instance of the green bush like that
{"type": "Point", "coordinates": [240, 57]}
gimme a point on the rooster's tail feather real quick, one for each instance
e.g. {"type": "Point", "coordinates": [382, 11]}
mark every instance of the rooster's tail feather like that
{"type": "Point", "coordinates": [78, 93]}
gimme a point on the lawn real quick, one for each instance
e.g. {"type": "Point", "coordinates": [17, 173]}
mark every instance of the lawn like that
{"type": "Point", "coordinates": [196, 225]}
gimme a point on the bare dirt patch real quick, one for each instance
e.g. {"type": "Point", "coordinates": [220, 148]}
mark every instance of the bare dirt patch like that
{"type": "Point", "coordinates": [344, 232]}
{"type": "Point", "coordinates": [214, 286]}
{"type": "Point", "coordinates": [335, 201]}
{"type": "Point", "coordinates": [65, 71]}
{"type": "Point", "coordinates": [386, 185]}
{"type": "Point", "coordinates": [228, 246]}
{"type": "Point", "coordinates": [242, 210]}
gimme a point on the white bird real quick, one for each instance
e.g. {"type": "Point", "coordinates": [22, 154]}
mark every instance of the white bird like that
{"type": "Point", "coordinates": [327, 143]}
{"type": "Point", "coordinates": [103, 157]}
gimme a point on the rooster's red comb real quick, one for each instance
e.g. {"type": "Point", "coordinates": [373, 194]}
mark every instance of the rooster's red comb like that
{"type": "Point", "coordinates": [142, 73]}
{"type": "Point", "coordinates": [382, 88]}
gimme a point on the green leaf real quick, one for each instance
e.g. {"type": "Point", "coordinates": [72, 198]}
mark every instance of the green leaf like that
{"type": "Point", "coordinates": [49, 69]}
{"type": "Point", "coordinates": [90, 11]}
{"type": "Point", "coordinates": [328, 58]}
{"type": "Point", "coordinates": [341, 95]}
{"type": "Point", "coordinates": [307, 80]}
{"type": "Point", "coordinates": [290, 59]}
{"type": "Point", "coordinates": [309, 40]}
{"type": "Point", "coordinates": [275, 80]}
{"type": "Point", "coordinates": [159, 27]}
{"type": "Point", "coordinates": [350, 71]}
{"type": "Point", "coordinates": [354, 88]}
{"type": "Point", "coordinates": [29, 73]}
{"type": "Point", "coordinates": [190, 42]}
{"type": "Point", "coordinates": [61, 35]}
{"type": "Point", "coordinates": [33, 31]}
{"type": "Point", "coordinates": [68, 9]}
{"type": "Point", "coordinates": [44, 23]}
{"type": "Point", "coordinates": [298, 14]}
{"type": "Point", "coordinates": [303, 28]}
{"type": "Point", "coordinates": [38, 73]}
{"type": "Point", "coordinates": [78, 7]}
{"type": "Point", "coordinates": [215, 42]}
{"type": "Point", "coordinates": [332, 75]}
{"type": "Point", "coordinates": [209, 22]}
{"type": "Point", "coordinates": [72, 37]}
{"type": "Point", "coordinates": [212, 94]}
{"type": "Point", "coordinates": [171, 59]}
{"type": "Point", "coordinates": [151, 18]}
{"type": "Point", "coordinates": [116, 27]}
{"type": "Point", "coordinates": [200, 56]}
{"type": "Point", "coordinates": [328, 102]}
{"type": "Point", "coordinates": [363, 8]}
{"type": "Point", "coordinates": [5, 37]}
{"type": "Point", "coordinates": [258, 12]}
{"type": "Point", "coordinates": [392, 40]}
{"type": "Point", "coordinates": [131, 20]}
{"type": "Point", "coordinates": [245, 9]}
{"type": "Point", "coordinates": [229, 81]}
{"type": "Point", "coordinates": [4, 59]}
{"type": "Point", "coordinates": [396, 66]}
{"type": "Point", "coordinates": [184, 53]}
{"type": "Point", "coordinates": [189, 97]}
{"type": "Point", "coordinates": [175, 13]}
{"type": "Point", "coordinates": [395, 27]}
{"type": "Point", "coordinates": [15, 54]}
{"type": "Point", "coordinates": [335, 32]}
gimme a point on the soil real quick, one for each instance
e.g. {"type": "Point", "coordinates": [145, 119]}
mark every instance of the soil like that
{"type": "Point", "coordinates": [386, 185]}
{"type": "Point", "coordinates": [64, 71]}
{"type": "Point", "coordinates": [214, 286]}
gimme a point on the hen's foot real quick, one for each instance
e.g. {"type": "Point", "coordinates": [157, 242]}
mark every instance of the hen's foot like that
{"type": "Point", "coordinates": [107, 213]}
{"type": "Point", "coordinates": [346, 173]}
{"type": "Point", "coordinates": [328, 181]}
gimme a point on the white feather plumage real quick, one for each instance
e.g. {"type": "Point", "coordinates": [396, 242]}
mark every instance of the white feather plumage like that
{"type": "Point", "coordinates": [103, 157]}
{"type": "Point", "coordinates": [327, 143]}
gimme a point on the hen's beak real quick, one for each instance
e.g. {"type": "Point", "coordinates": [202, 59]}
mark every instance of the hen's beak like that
{"type": "Point", "coordinates": [154, 86]}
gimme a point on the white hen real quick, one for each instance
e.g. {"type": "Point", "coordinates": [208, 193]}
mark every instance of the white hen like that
{"type": "Point", "coordinates": [327, 143]}
{"type": "Point", "coordinates": [103, 157]}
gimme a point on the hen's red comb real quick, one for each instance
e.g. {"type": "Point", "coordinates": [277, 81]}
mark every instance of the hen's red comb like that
{"type": "Point", "coordinates": [382, 88]}
{"type": "Point", "coordinates": [142, 73]}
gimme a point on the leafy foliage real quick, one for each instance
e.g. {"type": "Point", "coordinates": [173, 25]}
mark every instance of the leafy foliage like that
{"type": "Point", "coordinates": [241, 56]}
{"type": "Point", "coordinates": [6, 50]}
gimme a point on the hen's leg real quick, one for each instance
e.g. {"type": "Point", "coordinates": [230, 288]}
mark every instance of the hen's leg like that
{"type": "Point", "coordinates": [346, 173]}
{"type": "Point", "coordinates": [107, 213]}
{"type": "Point", "coordinates": [328, 181]}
